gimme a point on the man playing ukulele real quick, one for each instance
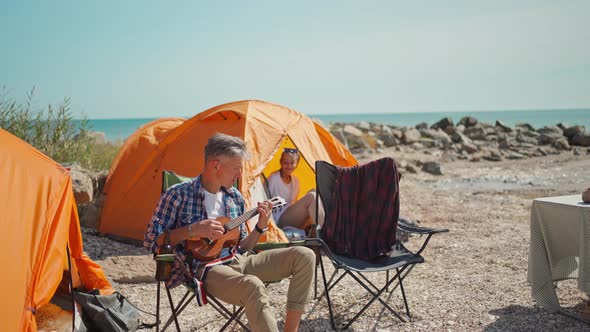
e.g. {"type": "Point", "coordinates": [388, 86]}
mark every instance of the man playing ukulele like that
{"type": "Point", "coordinates": [190, 211]}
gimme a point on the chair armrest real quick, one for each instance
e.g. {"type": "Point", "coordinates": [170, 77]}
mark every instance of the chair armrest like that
{"type": "Point", "coordinates": [275, 245]}
{"type": "Point", "coordinates": [406, 226]}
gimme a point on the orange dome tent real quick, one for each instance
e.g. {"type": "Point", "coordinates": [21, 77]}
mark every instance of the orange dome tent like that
{"type": "Point", "coordinates": [39, 219]}
{"type": "Point", "coordinates": [137, 148]}
{"type": "Point", "coordinates": [265, 127]}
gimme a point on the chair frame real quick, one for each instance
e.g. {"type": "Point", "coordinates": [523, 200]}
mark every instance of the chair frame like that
{"type": "Point", "coordinates": [233, 315]}
{"type": "Point", "coordinates": [401, 259]}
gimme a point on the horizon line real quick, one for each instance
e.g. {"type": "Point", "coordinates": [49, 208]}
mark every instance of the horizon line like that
{"type": "Point", "coordinates": [376, 113]}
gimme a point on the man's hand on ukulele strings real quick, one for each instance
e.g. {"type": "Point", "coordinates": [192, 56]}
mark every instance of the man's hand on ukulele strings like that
{"type": "Point", "coordinates": [209, 228]}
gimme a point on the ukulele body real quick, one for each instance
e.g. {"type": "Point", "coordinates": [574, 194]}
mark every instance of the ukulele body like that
{"type": "Point", "coordinates": [204, 250]}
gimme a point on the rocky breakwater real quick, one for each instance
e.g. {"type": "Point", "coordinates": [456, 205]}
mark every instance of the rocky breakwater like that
{"type": "Point", "coordinates": [469, 139]}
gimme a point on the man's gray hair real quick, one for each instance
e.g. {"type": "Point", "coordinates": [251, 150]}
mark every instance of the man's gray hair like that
{"type": "Point", "coordinates": [225, 145]}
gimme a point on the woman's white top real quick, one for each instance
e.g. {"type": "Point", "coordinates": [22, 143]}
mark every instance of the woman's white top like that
{"type": "Point", "coordinates": [289, 192]}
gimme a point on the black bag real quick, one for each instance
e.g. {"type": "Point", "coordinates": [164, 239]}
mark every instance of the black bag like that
{"type": "Point", "coordinates": [107, 312]}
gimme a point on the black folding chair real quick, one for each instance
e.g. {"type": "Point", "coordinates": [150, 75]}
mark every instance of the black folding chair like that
{"type": "Point", "coordinates": [232, 315]}
{"type": "Point", "coordinates": [399, 260]}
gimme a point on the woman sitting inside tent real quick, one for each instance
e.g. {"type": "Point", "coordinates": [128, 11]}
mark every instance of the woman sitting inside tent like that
{"type": "Point", "coordinates": [297, 213]}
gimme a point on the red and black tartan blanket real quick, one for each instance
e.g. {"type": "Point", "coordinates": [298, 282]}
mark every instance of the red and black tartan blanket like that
{"type": "Point", "coordinates": [363, 220]}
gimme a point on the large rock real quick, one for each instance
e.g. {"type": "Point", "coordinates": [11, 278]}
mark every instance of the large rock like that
{"type": "Point", "coordinates": [351, 130]}
{"type": "Point", "coordinates": [502, 127]}
{"type": "Point", "coordinates": [524, 127]}
{"type": "Point", "coordinates": [89, 213]}
{"type": "Point", "coordinates": [573, 131]}
{"type": "Point", "coordinates": [468, 121]}
{"type": "Point", "coordinates": [411, 136]}
{"type": "Point", "coordinates": [421, 125]}
{"type": "Point", "coordinates": [468, 147]}
{"type": "Point", "coordinates": [475, 133]}
{"type": "Point", "coordinates": [354, 138]}
{"type": "Point", "coordinates": [581, 139]}
{"type": "Point", "coordinates": [436, 135]}
{"type": "Point", "coordinates": [443, 124]}
{"type": "Point", "coordinates": [432, 167]}
{"type": "Point", "coordinates": [82, 184]}
{"type": "Point", "coordinates": [561, 144]}
{"type": "Point", "coordinates": [526, 139]}
{"type": "Point", "coordinates": [549, 134]}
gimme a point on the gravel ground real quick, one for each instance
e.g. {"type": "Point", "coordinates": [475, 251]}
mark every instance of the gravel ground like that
{"type": "Point", "coordinates": [474, 277]}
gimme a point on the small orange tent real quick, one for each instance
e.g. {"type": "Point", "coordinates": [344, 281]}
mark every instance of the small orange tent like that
{"type": "Point", "coordinates": [39, 219]}
{"type": "Point", "coordinates": [265, 127]}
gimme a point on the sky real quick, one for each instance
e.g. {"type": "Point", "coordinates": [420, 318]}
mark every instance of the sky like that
{"type": "Point", "coordinates": [148, 59]}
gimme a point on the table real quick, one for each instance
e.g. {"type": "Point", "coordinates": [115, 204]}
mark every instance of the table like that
{"type": "Point", "coordinates": [559, 247]}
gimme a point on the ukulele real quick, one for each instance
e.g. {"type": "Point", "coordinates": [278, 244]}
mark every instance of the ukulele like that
{"type": "Point", "coordinates": [205, 249]}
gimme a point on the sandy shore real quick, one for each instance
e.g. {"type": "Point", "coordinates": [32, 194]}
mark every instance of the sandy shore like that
{"type": "Point", "coordinates": [474, 278]}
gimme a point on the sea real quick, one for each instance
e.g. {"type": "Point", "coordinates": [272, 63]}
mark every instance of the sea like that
{"type": "Point", "coordinates": [120, 129]}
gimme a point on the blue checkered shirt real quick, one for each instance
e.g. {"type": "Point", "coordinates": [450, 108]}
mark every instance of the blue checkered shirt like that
{"type": "Point", "coordinates": [183, 204]}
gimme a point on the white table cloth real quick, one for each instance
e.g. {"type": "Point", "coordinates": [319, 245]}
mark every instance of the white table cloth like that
{"type": "Point", "coordinates": [559, 247]}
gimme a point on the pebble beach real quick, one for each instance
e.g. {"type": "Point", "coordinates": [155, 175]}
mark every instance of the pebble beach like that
{"type": "Point", "coordinates": [474, 277]}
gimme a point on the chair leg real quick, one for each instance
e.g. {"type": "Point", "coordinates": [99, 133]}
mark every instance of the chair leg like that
{"type": "Point", "coordinates": [327, 295]}
{"type": "Point", "coordinates": [179, 308]}
{"type": "Point", "coordinates": [174, 313]}
{"type": "Point", "coordinates": [376, 296]}
{"type": "Point", "coordinates": [401, 287]}
{"type": "Point", "coordinates": [331, 283]}
{"type": "Point", "coordinates": [408, 270]}
{"type": "Point", "coordinates": [377, 290]}
{"type": "Point", "coordinates": [315, 283]}
{"type": "Point", "coordinates": [235, 316]}
{"type": "Point", "coordinates": [158, 307]}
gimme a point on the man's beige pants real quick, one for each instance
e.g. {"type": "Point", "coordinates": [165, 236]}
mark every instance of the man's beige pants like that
{"type": "Point", "coordinates": [242, 282]}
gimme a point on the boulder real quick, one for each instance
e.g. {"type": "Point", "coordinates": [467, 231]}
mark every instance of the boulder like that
{"type": "Point", "coordinates": [82, 184]}
{"type": "Point", "coordinates": [526, 139]}
{"type": "Point", "coordinates": [411, 136]}
{"type": "Point", "coordinates": [493, 155]}
{"type": "Point", "coordinates": [561, 144]}
{"type": "Point", "coordinates": [475, 133]}
{"type": "Point", "coordinates": [421, 125]}
{"type": "Point", "coordinates": [468, 121]}
{"type": "Point", "coordinates": [89, 214]}
{"type": "Point", "coordinates": [469, 147]}
{"type": "Point", "coordinates": [573, 131]}
{"type": "Point", "coordinates": [502, 127]}
{"type": "Point", "coordinates": [443, 124]}
{"type": "Point", "coordinates": [364, 126]}
{"type": "Point", "coordinates": [436, 135]}
{"type": "Point", "coordinates": [549, 134]}
{"type": "Point", "coordinates": [432, 167]}
{"type": "Point", "coordinates": [581, 139]}
{"type": "Point", "coordinates": [524, 127]}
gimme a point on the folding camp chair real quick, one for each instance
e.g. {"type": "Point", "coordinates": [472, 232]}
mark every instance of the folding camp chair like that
{"type": "Point", "coordinates": [232, 315]}
{"type": "Point", "coordinates": [399, 260]}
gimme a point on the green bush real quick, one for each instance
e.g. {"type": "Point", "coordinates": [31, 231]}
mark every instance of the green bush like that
{"type": "Point", "coordinates": [55, 133]}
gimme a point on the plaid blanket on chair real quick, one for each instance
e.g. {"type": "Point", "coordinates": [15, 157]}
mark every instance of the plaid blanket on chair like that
{"type": "Point", "coordinates": [362, 222]}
